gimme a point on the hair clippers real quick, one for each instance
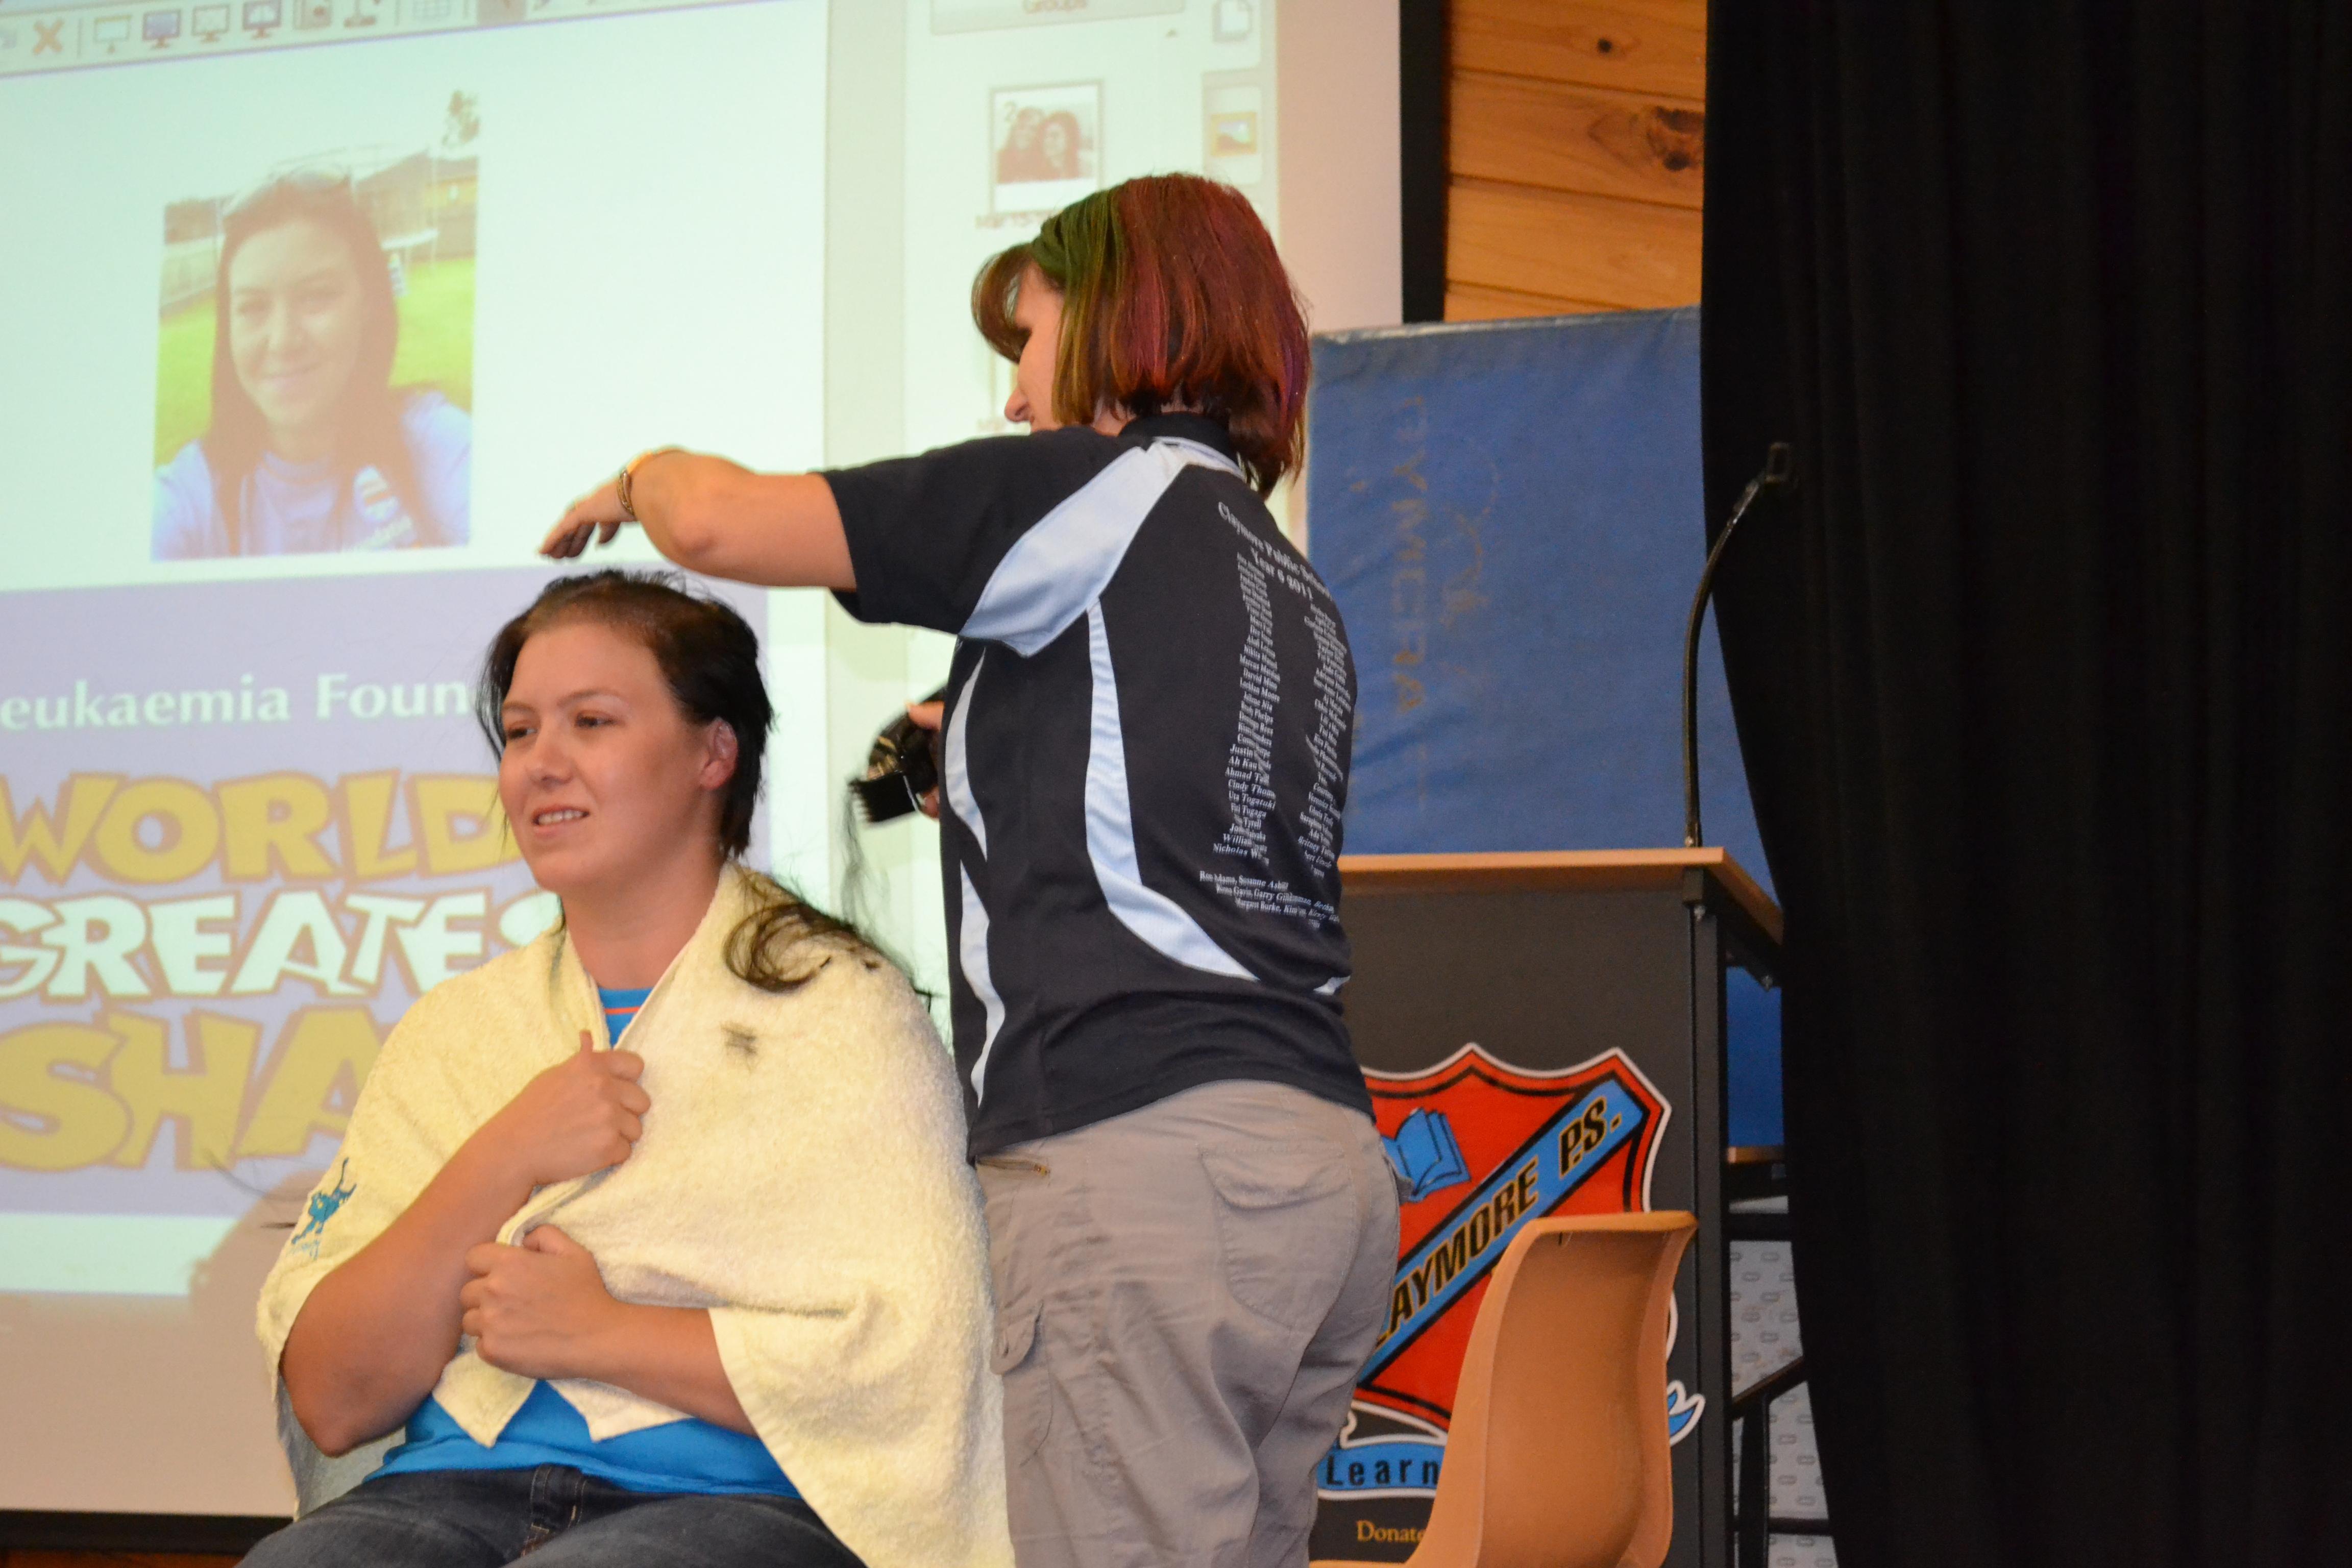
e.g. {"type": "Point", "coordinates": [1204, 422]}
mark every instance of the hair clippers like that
{"type": "Point", "coordinates": [902, 768]}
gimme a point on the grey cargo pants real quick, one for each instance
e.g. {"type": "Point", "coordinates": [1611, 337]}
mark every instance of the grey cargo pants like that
{"type": "Point", "coordinates": [1185, 1295]}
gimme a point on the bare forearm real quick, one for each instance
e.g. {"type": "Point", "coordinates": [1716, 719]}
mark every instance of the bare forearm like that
{"type": "Point", "coordinates": [723, 519]}
{"type": "Point", "coordinates": [669, 1355]}
{"type": "Point", "coordinates": [373, 1337]}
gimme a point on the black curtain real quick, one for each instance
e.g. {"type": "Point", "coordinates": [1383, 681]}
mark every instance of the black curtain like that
{"type": "Point", "coordinates": [2043, 677]}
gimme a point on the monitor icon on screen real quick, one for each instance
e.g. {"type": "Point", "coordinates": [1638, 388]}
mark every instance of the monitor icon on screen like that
{"type": "Point", "coordinates": [263, 17]}
{"type": "Point", "coordinates": [112, 31]}
{"type": "Point", "coordinates": [159, 27]}
{"type": "Point", "coordinates": [212, 22]}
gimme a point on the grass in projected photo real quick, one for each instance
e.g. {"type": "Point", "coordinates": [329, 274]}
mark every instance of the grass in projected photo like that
{"type": "Point", "coordinates": [315, 358]}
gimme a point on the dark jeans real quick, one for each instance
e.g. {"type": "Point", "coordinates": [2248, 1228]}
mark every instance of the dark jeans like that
{"type": "Point", "coordinates": [460, 1518]}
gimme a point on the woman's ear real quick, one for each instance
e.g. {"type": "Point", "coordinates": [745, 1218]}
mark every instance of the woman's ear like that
{"type": "Point", "coordinates": [721, 752]}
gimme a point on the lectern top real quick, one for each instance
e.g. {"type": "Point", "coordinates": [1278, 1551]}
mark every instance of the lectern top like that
{"type": "Point", "coordinates": [1561, 870]}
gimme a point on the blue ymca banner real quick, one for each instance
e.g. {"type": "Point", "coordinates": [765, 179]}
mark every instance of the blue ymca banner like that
{"type": "Point", "coordinates": [1511, 518]}
{"type": "Point", "coordinates": [1511, 515]}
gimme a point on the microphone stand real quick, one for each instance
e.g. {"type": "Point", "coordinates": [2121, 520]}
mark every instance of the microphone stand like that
{"type": "Point", "coordinates": [1778, 469]}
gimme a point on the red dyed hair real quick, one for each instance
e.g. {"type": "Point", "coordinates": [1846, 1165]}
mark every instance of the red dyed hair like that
{"type": "Point", "coordinates": [1173, 297]}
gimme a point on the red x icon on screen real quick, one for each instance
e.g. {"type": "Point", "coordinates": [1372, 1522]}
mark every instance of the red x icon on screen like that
{"type": "Point", "coordinates": [45, 37]}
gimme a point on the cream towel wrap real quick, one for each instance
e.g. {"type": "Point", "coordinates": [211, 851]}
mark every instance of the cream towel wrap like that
{"type": "Point", "coordinates": [801, 1176]}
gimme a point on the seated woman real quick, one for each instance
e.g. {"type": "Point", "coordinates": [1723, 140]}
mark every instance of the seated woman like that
{"type": "Point", "coordinates": [716, 1299]}
{"type": "Point", "coordinates": [311, 446]}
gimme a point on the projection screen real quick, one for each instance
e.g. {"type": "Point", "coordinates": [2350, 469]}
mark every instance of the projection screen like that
{"type": "Point", "coordinates": [245, 817]}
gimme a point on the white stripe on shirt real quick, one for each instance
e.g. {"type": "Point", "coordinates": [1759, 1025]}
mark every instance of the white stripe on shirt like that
{"type": "Point", "coordinates": [1061, 567]}
{"type": "Point", "coordinates": [1110, 834]}
{"type": "Point", "coordinates": [971, 954]}
{"type": "Point", "coordinates": [955, 770]}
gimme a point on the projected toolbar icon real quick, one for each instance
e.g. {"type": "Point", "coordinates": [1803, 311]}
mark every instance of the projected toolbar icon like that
{"type": "Point", "coordinates": [212, 22]}
{"type": "Point", "coordinates": [314, 12]}
{"type": "Point", "coordinates": [112, 34]}
{"type": "Point", "coordinates": [159, 27]}
{"type": "Point", "coordinates": [263, 17]}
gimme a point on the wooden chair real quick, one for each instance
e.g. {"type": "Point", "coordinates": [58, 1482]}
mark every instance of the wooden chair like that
{"type": "Point", "coordinates": [1558, 1456]}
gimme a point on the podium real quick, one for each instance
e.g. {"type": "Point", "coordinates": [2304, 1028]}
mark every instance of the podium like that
{"type": "Point", "coordinates": [1542, 1032]}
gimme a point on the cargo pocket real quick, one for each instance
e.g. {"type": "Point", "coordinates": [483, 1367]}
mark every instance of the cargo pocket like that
{"type": "Point", "coordinates": [1019, 1360]}
{"type": "Point", "coordinates": [1286, 1227]}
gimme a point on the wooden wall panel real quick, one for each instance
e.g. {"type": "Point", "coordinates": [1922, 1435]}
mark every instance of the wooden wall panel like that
{"type": "Point", "coordinates": [1470, 302]}
{"type": "Point", "coordinates": [1576, 148]}
{"type": "Point", "coordinates": [1637, 46]}
{"type": "Point", "coordinates": [1623, 255]}
{"type": "Point", "coordinates": [1584, 139]}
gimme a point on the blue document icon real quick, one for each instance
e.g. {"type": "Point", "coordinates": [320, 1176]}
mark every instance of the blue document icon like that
{"type": "Point", "coordinates": [1425, 1155]}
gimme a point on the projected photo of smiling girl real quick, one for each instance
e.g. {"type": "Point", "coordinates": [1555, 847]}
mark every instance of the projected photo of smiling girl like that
{"type": "Point", "coordinates": [310, 446]}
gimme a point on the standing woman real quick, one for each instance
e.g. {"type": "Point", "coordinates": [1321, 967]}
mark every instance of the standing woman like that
{"type": "Point", "coordinates": [1192, 1224]}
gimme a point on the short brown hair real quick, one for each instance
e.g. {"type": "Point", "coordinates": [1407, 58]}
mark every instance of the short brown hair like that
{"type": "Point", "coordinates": [1173, 297]}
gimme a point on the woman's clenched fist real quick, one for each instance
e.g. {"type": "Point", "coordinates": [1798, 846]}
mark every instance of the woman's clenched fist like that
{"type": "Point", "coordinates": [580, 1116]}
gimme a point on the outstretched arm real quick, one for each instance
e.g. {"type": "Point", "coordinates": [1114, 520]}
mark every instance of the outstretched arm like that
{"type": "Point", "coordinates": [719, 519]}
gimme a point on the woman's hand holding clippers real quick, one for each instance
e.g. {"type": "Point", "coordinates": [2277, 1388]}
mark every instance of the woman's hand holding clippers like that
{"type": "Point", "coordinates": [928, 716]}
